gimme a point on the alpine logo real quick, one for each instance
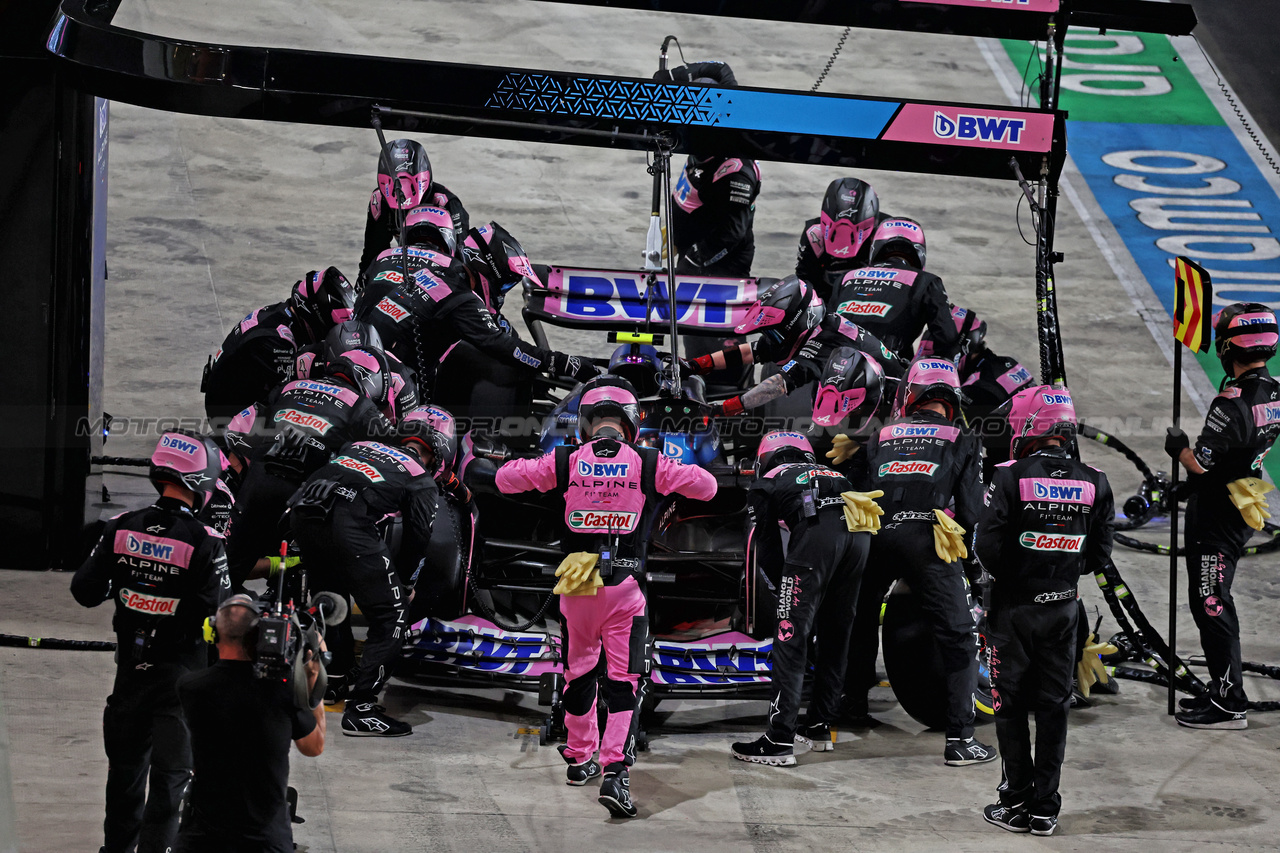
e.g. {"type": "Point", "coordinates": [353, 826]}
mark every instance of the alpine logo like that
{"type": "Point", "coordinates": [149, 604]}
{"type": "Point", "coordinates": [306, 420]}
{"type": "Point", "coordinates": [904, 431]}
{"type": "Point", "coordinates": [978, 127]}
{"type": "Point", "coordinates": [1059, 491]}
{"type": "Point", "coordinates": [864, 309]}
{"type": "Point", "coordinates": [894, 468]}
{"type": "Point", "coordinates": [602, 469]}
{"type": "Point", "coordinates": [1051, 542]}
{"type": "Point", "coordinates": [359, 467]}
{"type": "Point", "coordinates": [392, 310]}
{"type": "Point", "coordinates": [583, 519]}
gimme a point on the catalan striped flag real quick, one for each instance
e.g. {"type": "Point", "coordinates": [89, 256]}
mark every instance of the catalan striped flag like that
{"type": "Point", "coordinates": [1192, 305]}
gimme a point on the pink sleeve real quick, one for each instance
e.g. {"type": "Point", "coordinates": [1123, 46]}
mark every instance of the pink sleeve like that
{"type": "Point", "coordinates": [526, 475]}
{"type": "Point", "coordinates": [688, 480]}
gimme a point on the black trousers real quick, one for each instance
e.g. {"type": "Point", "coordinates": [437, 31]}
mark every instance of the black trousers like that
{"type": "Point", "coordinates": [1031, 651]}
{"type": "Point", "coordinates": [342, 552]}
{"type": "Point", "coordinates": [146, 738]}
{"type": "Point", "coordinates": [1216, 537]}
{"type": "Point", "coordinates": [817, 595]}
{"type": "Point", "coordinates": [255, 529]}
{"type": "Point", "coordinates": [905, 550]}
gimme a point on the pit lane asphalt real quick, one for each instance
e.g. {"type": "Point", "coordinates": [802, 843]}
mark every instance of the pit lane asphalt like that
{"type": "Point", "coordinates": [211, 218]}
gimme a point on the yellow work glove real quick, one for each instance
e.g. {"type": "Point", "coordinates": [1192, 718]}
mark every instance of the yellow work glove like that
{"type": "Point", "coordinates": [1090, 670]}
{"type": "Point", "coordinates": [948, 538]}
{"type": "Point", "coordinates": [1249, 496]}
{"type": "Point", "coordinates": [842, 447]}
{"type": "Point", "coordinates": [274, 564]}
{"type": "Point", "coordinates": [575, 571]}
{"type": "Point", "coordinates": [861, 512]}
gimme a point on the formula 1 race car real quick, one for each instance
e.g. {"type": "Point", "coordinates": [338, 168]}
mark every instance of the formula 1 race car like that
{"type": "Point", "coordinates": [485, 614]}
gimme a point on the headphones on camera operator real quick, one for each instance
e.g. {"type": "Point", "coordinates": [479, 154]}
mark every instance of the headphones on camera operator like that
{"type": "Point", "coordinates": [276, 638]}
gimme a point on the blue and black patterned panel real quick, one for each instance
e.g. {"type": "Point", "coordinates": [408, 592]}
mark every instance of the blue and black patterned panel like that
{"type": "Point", "coordinates": [742, 109]}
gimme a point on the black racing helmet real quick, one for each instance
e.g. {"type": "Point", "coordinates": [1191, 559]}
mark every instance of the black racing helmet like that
{"type": "Point", "coordinates": [899, 234]}
{"type": "Point", "coordinates": [497, 261]}
{"type": "Point", "coordinates": [349, 335]}
{"type": "Point", "coordinates": [609, 395]}
{"type": "Point", "coordinates": [366, 371]}
{"type": "Point", "coordinates": [444, 440]}
{"type": "Point", "coordinates": [419, 431]}
{"type": "Point", "coordinates": [404, 174]}
{"type": "Point", "coordinates": [782, 314]}
{"type": "Point", "coordinates": [431, 227]}
{"type": "Point", "coordinates": [848, 217]}
{"type": "Point", "coordinates": [322, 300]}
{"type": "Point", "coordinates": [1244, 332]}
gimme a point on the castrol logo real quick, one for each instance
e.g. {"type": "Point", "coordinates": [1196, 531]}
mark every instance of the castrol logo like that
{"type": "Point", "coordinates": [864, 309]}
{"type": "Point", "coordinates": [890, 469]}
{"type": "Point", "coordinates": [150, 604]}
{"type": "Point", "coordinates": [580, 519]}
{"type": "Point", "coordinates": [392, 310]}
{"type": "Point", "coordinates": [359, 467]}
{"type": "Point", "coordinates": [306, 420]}
{"type": "Point", "coordinates": [1051, 542]}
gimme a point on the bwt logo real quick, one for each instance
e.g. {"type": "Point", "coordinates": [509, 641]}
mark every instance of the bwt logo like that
{"type": "Point", "coordinates": [944, 366]}
{"type": "Point", "coordinates": [901, 431]}
{"type": "Point", "coordinates": [877, 274]}
{"type": "Point", "coordinates": [1057, 493]}
{"type": "Point", "coordinates": [145, 548]}
{"type": "Point", "coordinates": [1057, 399]}
{"type": "Point", "coordinates": [979, 128]}
{"type": "Point", "coordinates": [595, 296]}
{"type": "Point", "coordinates": [175, 443]}
{"type": "Point", "coordinates": [901, 223]}
{"type": "Point", "coordinates": [602, 469]}
{"type": "Point", "coordinates": [1268, 413]}
{"type": "Point", "coordinates": [1019, 375]}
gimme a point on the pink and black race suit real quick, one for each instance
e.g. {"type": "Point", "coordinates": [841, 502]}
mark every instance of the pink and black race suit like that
{"type": "Point", "coordinates": [713, 214]}
{"type": "Point", "coordinates": [166, 572]}
{"type": "Point", "coordinates": [613, 492]}
{"type": "Point", "coordinates": [257, 357]}
{"type": "Point", "coordinates": [381, 223]}
{"type": "Point", "coordinates": [1240, 429]}
{"type": "Point", "coordinates": [403, 395]}
{"type": "Point", "coordinates": [840, 331]}
{"type": "Point", "coordinates": [327, 412]}
{"type": "Point", "coordinates": [923, 462]}
{"type": "Point", "coordinates": [1047, 519]}
{"type": "Point", "coordinates": [895, 301]}
{"type": "Point", "coordinates": [420, 320]}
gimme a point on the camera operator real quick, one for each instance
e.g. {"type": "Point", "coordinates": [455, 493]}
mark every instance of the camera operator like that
{"type": "Point", "coordinates": [241, 726]}
{"type": "Point", "coordinates": [166, 572]}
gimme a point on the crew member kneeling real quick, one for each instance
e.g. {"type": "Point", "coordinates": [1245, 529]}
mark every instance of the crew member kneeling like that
{"type": "Point", "coordinates": [1048, 520]}
{"type": "Point", "coordinates": [612, 491]}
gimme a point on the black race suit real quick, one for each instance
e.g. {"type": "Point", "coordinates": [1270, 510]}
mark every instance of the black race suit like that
{"type": "Point", "coordinates": [327, 413]}
{"type": "Point", "coordinates": [712, 216]}
{"type": "Point", "coordinates": [1242, 425]}
{"type": "Point", "coordinates": [824, 271]}
{"type": "Point", "coordinates": [1048, 519]}
{"type": "Point", "coordinates": [988, 382]}
{"type": "Point", "coordinates": [817, 586]}
{"type": "Point", "coordinates": [895, 301]}
{"type": "Point", "coordinates": [335, 519]}
{"type": "Point", "coordinates": [421, 319]}
{"type": "Point", "coordinates": [255, 359]}
{"type": "Point", "coordinates": [921, 463]}
{"type": "Point", "coordinates": [166, 572]}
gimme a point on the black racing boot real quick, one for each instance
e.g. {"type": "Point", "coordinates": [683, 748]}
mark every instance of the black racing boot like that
{"type": "Point", "coordinates": [615, 791]}
{"type": "Point", "coordinates": [817, 737]}
{"type": "Point", "coordinates": [578, 774]}
{"type": "Point", "coordinates": [1012, 818]}
{"type": "Point", "coordinates": [765, 751]}
{"type": "Point", "coordinates": [959, 753]}
{"type": "Point", "coordinates": [1212, 716]}
{"type": "Point", "coordinates": [369, 719]}
{"type": "Point", "coordinates": [1043, 825]}
{"type": "Point", "coordinates": [1191, 703]}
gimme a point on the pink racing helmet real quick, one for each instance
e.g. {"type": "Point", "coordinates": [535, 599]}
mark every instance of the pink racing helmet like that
{"type": "Point", "coordinates": [431, 227]}
{"type": "Point", "coordinates": [779, 447]}
{"type": "Point", "coordinates": [898, 234]}
{"type": "Point", "coordinates": [930, 380]}
{"type": "Point", "coordinates": [186, 459]}
{"type": "Point", "coordinates": [1245, 332]}
{"type": "Point", "coordinates": [445, 444]}
{"type": "Point", "coordinates": [782, 314]}
{"type": "Point", "coordinates": [850, 389]}
{"type": "Point", "coordinates": [609, 395]}
{"type": "Point", "coordinates": [1040, 412]}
